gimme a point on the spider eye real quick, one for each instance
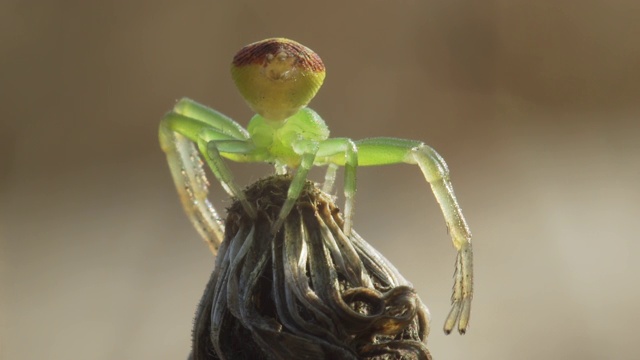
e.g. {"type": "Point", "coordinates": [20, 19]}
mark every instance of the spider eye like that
{"type": "Point", "coordinates": [277, 77]}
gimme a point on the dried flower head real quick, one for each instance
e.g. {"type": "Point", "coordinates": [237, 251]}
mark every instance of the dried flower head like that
{"type": "Point", "coordinates": [309, 292]}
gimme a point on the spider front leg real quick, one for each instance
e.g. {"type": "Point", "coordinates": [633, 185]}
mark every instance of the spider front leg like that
{"type": "Point", "coordinates": [192, 186]}
{"type": "Point", "coordinates": [178, 132]}
{"type": "Point", "coordinates": [382, 151]}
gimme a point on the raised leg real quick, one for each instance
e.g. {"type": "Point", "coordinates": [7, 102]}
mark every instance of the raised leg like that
{"type": "Point", "coordinates": [192, 186]}
{"type": "Point", "coordinates": [344, 152]}
{"type": "Point", "coordinates": [381, 151]}
{"type": "Point", "coordinates": [178, 132]}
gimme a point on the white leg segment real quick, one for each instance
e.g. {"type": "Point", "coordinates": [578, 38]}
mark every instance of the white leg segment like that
{"type": "Point", "coordinates": [192, 186]}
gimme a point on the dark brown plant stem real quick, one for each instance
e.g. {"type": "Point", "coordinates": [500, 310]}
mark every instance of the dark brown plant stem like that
{"type": "Point", "coordinates": [309, 292]}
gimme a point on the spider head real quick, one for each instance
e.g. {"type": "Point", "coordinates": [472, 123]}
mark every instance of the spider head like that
{"type": "Point", "coordinates": [277, 77]}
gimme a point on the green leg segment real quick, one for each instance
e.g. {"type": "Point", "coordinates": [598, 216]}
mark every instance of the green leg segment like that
{"type": "Point", "coordinates": [380, 151]}
{"type": "Point", "coordinates": [307, 150]}
{"type": "Point", "coordinates": [213, 118]}
{"type": "Point", "coordinates": [209, 145]}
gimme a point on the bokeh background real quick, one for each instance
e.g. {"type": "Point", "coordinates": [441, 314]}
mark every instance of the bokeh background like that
{"type": "Point", "coordinates": [534, 104]}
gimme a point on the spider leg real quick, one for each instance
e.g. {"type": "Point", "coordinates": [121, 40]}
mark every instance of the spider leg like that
{"type": "Point", "coordinates": [342, 151]}
{"type": "Point", "coordinates": [211, 142]}
{"type": "Point", "coordinates": [381, 151]}
{"type": "Point", "coordinates": [215, 119]}
{"type": "Point", "coordinates": [177, 133]}
{"type": "Point", "coordinates": [192, 186]}
{"type": "Point", "coordinates": [307, 151]}
{"type": "Point", "coordinates": [329, 178]}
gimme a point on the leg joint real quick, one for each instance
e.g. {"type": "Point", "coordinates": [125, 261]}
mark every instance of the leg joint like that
{"type": "Point", "coordinates": [431, 163]}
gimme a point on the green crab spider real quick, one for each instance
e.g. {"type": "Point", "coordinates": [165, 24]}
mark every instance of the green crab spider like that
{"type": "Point", "coordinates": [278, 78]}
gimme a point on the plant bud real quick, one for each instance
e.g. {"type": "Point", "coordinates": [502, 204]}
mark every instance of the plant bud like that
{"type": "Point", "coordinates": [307, 292]}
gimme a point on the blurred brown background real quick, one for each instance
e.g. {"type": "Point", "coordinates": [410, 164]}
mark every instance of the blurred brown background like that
{"type": "Point", "coordinates": [534, 104]}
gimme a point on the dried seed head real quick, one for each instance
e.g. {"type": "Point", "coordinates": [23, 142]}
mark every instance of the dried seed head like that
{"type": "Point", "coordinates": [277, 77]}
{"type": "Point", "coordinates": [309, 292]}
